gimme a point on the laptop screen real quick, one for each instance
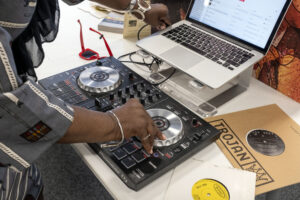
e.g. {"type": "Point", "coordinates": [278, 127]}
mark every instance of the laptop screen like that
{"type": "Point", "coordinates": [252, 21]}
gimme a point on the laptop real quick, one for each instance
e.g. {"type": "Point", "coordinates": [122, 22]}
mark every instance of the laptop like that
{"type": "Point", "coordinates": [219, 39]}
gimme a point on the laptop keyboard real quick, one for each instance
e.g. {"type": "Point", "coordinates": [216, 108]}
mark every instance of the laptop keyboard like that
{"type": "Point", "coordinates": [211, 47]}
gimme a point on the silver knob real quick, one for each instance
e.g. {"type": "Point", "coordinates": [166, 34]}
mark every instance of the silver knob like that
{"type": "Point", "coordinates": [169, 124]}
{"type": "Point", "coordinates": [99, 79]}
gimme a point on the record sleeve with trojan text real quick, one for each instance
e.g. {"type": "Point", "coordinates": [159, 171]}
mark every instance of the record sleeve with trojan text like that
{"type": "Point", "coordinates": [264, 140]}
{"type": "Point", "coordinates": [194, 179]}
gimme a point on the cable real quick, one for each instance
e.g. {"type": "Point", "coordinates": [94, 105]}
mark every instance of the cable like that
{"type": "Point", "coordinates": [173, 72]}
{"type": "Point", "coordinates": [139, 32]}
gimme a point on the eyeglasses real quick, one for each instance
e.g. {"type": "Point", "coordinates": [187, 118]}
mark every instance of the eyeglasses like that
{"type": "Point", "coordinates": [89, 54]}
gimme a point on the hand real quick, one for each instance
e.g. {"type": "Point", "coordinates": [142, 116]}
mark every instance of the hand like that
{"type": "Point", "coordinates": [137, 122]}
{"type": "Point", "coordinates": [158, 16]}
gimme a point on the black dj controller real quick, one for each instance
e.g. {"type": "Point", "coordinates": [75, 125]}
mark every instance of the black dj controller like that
{"type": "Point", "coordinates": [107, 84]}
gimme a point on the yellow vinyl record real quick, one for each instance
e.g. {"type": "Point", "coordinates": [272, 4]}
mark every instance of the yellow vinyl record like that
{"type": "Point", "coordinates": [209, 189]}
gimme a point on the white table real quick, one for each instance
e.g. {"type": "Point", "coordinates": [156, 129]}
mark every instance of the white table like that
{"type": "Point", "coordinates": [62, 54]}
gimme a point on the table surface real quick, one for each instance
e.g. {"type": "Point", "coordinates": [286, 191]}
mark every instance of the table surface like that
{"type": "Point", "coordinates": [62, 54]}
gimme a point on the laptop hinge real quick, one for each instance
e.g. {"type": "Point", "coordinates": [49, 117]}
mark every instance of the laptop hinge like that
{"type": "Point", "coordinates": [249, 48]}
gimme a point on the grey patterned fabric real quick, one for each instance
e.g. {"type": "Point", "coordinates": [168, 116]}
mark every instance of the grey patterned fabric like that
{"type": "Point", "coordinates": [31, 119]}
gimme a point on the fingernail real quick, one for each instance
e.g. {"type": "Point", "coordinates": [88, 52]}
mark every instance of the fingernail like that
{"type": "Point", "coordinates": [151, 151]}
{"type": "Point", "coordinates": [164, 137]}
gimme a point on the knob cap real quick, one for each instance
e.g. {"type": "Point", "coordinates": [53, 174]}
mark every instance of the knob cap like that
{"type": "Point", "coordinates": [120, 92]}
{"type": "Point", "coordinates": [111, 96]}
{"type": "Point", "coordinates": [150, 98]}
{"type": "Point", "coordinates": [130, 76]}
{"type": "Point", "coordinates": [99, 63]}
{"type": "Point", "coordinates": [142, 101]}
{"type": "Point", "coordinates": [195, 122]}
{"type": "Point", "coordinates": [135, 86]}
{"type": "Point", "coordinates": [124, 99]}
{"type": "Point", "coordinates": [127, 89]}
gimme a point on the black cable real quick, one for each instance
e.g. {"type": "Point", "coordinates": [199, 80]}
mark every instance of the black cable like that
{"type": "Point", "coordinates": [127, 54]}
{"type": "Point", "coordinates": [173, 72]}
{"type": "Point", "coordinates": [139, 32]}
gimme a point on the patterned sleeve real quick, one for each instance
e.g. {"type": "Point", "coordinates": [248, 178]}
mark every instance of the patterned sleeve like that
{"type": "Point", "coordinates": [72, 2]}
{"type": "Point", "coordinates": [31, 118]}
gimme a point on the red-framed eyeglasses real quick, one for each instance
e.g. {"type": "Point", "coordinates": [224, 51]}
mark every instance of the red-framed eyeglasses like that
{"type": "Point", "coordinates": [89, 54]}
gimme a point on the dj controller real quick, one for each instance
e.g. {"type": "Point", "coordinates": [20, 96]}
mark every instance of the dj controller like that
{"type": "Point", "coordinates": [107, 84]}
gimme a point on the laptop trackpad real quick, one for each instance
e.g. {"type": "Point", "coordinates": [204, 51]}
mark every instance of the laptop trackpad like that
{"type": "Point", "coordinates": [181, 57]}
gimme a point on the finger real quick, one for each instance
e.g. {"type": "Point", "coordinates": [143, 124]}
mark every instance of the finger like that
{"type": "Point", "coordinates": [146, 143]}
{"type": "Point", "coordinates": [166, 21]}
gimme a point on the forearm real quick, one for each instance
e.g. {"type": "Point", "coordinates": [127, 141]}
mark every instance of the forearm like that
{"type": "Point", "coordinates": [91, 127]}
{"type": "Point", "coordinates": [115, 4]}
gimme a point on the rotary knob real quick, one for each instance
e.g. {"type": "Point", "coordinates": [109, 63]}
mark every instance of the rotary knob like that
{"type": "Point", "coordinates": [99, 79]}
{"type": "Point", "coordinates": [169, 124]}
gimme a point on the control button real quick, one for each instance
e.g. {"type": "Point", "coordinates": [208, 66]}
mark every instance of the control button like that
{"type": "Point", "coordinates": [139, 93]}
{"type": "Point", "coordinates": [124, 99]}
{"type": "Point", "coordinates": [196, 122]}
{"type": "Point", "coordinates": [139, 156]}
{"type": "Point", "coordinates": [169, 155]}
{"type": "Point", "coordinates": [111, 96]}
{"type": "Point", "coordinates": [150, 98]}
{"type": "Point", "coordinates": [196, 138]}
{"type": "Point", "coordinates": [177, 149]}
{"type": "Point", "coordinates": [99, 63]}
{"type": "Point", "coordinates": [191, 138]}
{"type": "Point", "coordinates": [148, 91]}
{"type": "Point", "coordinates": [119, 154]}
{"type": "Point", "coordinates": [131, 95]}
{"type": "Point", "coordinates": [128, 162]}
{"type": "Point", "coordinates": [142, 85]}
{"type": "Point", "coordinates": [185, 118]}
{"type": "Point", "coordinates": [177, 113]}
{"type": "Point", "coordinates": [137, 144]}
{"type": "Point", "coordinates": [129, 148]}
{"type": "Point", "coordinates": [185, 145]}
{"type": "Point", "coordinates": [130, 76]}
{"type": "Point", "coordinates": [135, 86]}
{"type": "Point", "coordinates": [120, 92]}
{"type": "Point", "coordinates": [156, 154]}
{"type": "Point", "coordinates": [127, 89]}
{"type": "Point", "coordinates": [142, 101]}
{"type": "Point", "coordinates": [97, 102]}
{"type": "Point", "coordinates": [169, 107]}
{"type": "Point", "coordinates": [158, 96]}
{"type": "Point", "coordinates": [199, 135]}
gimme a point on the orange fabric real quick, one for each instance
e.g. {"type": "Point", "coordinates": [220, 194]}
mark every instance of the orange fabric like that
{"type": "Point", "coordinates": [280, 68]}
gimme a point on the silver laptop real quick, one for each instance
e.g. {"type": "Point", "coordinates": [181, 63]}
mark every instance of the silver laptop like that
{"type": "Point", "coordinates": [219, 38]}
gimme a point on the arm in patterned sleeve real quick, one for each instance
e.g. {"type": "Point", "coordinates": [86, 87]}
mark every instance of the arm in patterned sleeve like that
{"type": "Point", "coordinates": [31, 119]}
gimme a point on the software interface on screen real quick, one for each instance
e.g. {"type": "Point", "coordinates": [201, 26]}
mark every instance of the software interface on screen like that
{"type": "Point", "coordinates": [250, 20]}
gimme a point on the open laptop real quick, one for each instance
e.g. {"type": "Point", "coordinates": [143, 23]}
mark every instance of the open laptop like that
{"type": "Point", "coordinates": [219, 38]}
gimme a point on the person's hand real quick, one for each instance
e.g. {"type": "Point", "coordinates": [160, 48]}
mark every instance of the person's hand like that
{"type": "Point", "coordinates": [137, 122]}
{"type": "Point", "coordinates": [158, 16]}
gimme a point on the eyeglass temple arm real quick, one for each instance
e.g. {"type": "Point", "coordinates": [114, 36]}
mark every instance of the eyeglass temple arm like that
{"type": "Point", "coordinates": [106, 44]}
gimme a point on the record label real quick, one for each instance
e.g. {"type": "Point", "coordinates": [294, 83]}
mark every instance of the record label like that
{"type": "Point", "coordinates": [265, 142]}
{"type": "Point", "coordinates": [209, 189]}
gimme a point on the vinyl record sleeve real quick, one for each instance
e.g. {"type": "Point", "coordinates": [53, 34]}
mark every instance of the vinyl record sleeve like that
{"type": "Point", "coordinates": [264, 140]}
{"type": "Point", "coordinates": [239, 183]}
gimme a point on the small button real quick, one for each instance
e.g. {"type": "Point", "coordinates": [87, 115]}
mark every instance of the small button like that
{"type": "Point", "coordinates": [177, 149]}
{"type": "Point", "coordinates": [119, 154]}
{"type": "Point", "coordinates": [128, 162]}
{"type": "Point", "coordinates": [177, 113]}
{"type": "Point", "coordinates": [139, 156]}
{"type": "Point", "coordinates": [129, 148]}
{"type": "Point", "coordinates": [169, 107]}
{"type": "Point", "coordinates": [120, 92]}
{"type": "Point", "coordinates": [156, 154]}
{"type": "Point", "coordinates": [185, 118]}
